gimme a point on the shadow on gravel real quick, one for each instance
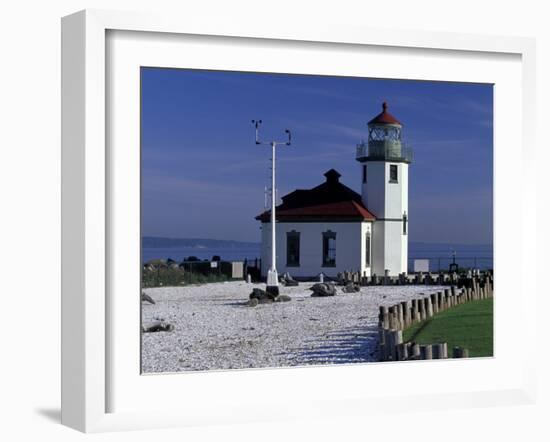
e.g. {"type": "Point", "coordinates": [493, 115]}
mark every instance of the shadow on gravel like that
{"type": "Point", "coordinates": [352, 344]}
{"type": "Point", "coordinates": [236, 303]}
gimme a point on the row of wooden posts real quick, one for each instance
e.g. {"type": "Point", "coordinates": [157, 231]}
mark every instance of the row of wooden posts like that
{"type": "Point", "coordinates": [394, 319]}
{"type": "Point", "coordinates": [402, 279]}
{"type": "Point", "coordinates": [397, 350]}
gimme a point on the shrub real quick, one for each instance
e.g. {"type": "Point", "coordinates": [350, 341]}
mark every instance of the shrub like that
{"type": "Point", "coordinates": [163, 277]}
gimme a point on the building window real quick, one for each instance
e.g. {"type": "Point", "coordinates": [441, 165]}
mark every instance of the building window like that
{"type": "Point", "coordinates": [367, 250]}
{"type": "Point", "coordinates": [393, 173]}
{"type": "Point", "coordinates": [293, 249]}
{"type": "Point", "coordinates": [364, 173]}
{"type": "Point", "coordinates": [405, 220]}
{"type": "Point", "coordinates": [329, 249]}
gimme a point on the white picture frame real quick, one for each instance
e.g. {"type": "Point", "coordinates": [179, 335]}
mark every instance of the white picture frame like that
{"type": "Point", "coordinates": [87, 203]}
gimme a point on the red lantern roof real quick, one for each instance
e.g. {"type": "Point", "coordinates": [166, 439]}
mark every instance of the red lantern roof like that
{"type": "Point", "coordinates": [385, 117]}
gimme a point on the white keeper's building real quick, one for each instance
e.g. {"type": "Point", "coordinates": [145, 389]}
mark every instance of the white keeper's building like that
{"type": "Point", "coordinates": [332, 228]}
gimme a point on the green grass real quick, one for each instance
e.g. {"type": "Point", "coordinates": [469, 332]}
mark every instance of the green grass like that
{"type": "Point", "coordinates": [468, 325]}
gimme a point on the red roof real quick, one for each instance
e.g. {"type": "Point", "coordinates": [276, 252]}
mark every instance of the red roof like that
{"type": "Point", "coordinates": [331, 200]}
{"type": "Point", "coordinates": [385, 117]}
{"type": "Point", "coordinates": [340, 209]}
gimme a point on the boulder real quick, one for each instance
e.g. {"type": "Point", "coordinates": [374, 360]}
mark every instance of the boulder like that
{"type": "Point", "coordinates": [283, 298]}
{"type": "Point", "coordinates": [157, 327]}
{"type": "Point", "coordinates": [323, 289]}
{"type": "Point", "coordinates": [288, 280]}
{"type": "Point", "coordinates": [352, 287]}
{"type": "Point", "coordinates": [146, 298]}
{"type": "Point", "coordinates": [262, 296]}
{"type": "Point", "coordinates": [252, 302]}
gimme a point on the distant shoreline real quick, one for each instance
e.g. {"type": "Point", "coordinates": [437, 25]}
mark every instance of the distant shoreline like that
{"type": "Point", "coordinates": [152, 242]}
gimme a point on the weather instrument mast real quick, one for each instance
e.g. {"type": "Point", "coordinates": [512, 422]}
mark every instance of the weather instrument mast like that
{"type": "Point", "coordinates": [272, 277]}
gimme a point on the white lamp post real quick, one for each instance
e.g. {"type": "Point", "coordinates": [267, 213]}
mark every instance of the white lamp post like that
{"type": "Point", "coordinates": [272, 277]}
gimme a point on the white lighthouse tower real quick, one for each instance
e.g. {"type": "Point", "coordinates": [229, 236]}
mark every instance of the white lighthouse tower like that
{"type": "Point", "coordinates": [385, 191]}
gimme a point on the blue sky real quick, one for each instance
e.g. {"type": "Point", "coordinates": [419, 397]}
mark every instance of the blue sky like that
{"type": "Point", "coordinates": [203, 176]}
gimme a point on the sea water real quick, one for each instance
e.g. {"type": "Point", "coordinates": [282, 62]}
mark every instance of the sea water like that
{"type": "Point", "coordinates": [440, 255]}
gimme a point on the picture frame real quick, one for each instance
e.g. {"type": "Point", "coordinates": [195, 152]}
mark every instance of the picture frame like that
{"type": "Point", "coordinates": [88, 309]}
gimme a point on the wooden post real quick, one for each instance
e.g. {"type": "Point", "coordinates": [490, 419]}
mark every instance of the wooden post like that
{"type": "Point", "coordinates": [402, 352]}
{"type": "Point", "coordinates": [428, 354]}
{"type": "Point", "coordinates": [447, 301]}
{"type": "Point", "coordinates": [435, 306]}
{"type": "Point", "coordinates": [414, 351]}
{"type": "Point", "coordinates": [390, 344]}
{"type": "Point", "coordinates": [459, 352]}
{"type": "Point", "coordinates": [437, 351]}
{"type": "Point", "coordinates": [400, 316]}
{"type": "Point", "coordinates": [406, 314]}
{"type": "Point", "coordinates": [423, 351]}
{"type": "Point", "coordinates": [397, 338]}
{"type": "Point", "coordinates": [454, 295]}
{"type": "Point", "coordinates": [428, 307]}
{"type": "Point", "coordinates": [407, 351]}
{"type": "Point", "coordinates": [426, 351]}
{"type": "Point", "coordinates": [381, 343]}
{"type": "Point", "coordinates": [421, 312]}
{"type": "Point", "coordinates": [440, 350]}
{"type": "Point", "coordinates": [393, 318]}
{"type": "Point", "coordinates": [384, 319]}
{"type": "Point", "coordinates": [399, 350]}
{"type": "Point", "coordinates": [414, 311]}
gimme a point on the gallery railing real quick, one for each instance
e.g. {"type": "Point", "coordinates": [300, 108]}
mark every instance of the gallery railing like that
{"type": "Point", "coordinates": [384, 151]}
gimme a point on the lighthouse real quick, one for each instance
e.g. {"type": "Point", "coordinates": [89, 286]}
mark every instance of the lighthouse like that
{"type": "Point", "coordinates": [331, 228]}
{"type": "Point", "coordinates": [384, 162]}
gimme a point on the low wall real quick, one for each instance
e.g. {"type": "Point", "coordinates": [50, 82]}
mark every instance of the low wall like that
{"type": "Point", "coordinates": [394, 319]}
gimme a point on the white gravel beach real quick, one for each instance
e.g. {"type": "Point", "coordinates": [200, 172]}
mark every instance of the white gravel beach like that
{"type": "Point", "coordinates": [215, 330]}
